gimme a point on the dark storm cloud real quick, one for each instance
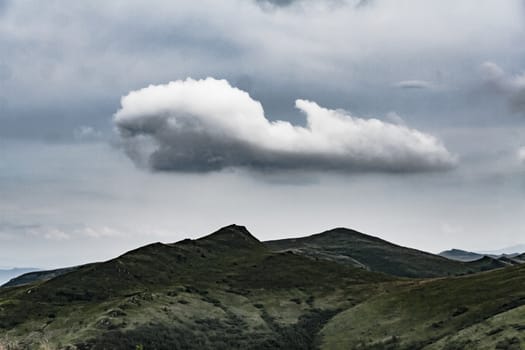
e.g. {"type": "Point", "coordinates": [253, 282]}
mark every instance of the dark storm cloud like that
{"type": "Point", "coordinates": [206, 125]}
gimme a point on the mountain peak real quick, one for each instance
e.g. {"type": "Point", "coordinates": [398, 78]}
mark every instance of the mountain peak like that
{"type": "Point", "coordinates": [345, 233]}
{"type": "Point", "coordinates": [234, 236]}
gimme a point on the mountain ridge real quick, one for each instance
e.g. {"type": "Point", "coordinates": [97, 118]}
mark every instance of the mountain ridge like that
{"type": "Point", "coordinates": [377, 254]}
{"type": "Point", "coordinates": [239, 237]}
{"type": "Point", "coordinates": [228, 290]}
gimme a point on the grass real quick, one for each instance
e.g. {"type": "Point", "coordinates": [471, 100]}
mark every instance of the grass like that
{"type": "Point", "coordinates": [422, 313]}
{"type": "Point", "coordinates": [230, 291]}
{"type": "Point", "coordinates": [206, 289]}
{"type": "Point", "coordinates": [357, 249]}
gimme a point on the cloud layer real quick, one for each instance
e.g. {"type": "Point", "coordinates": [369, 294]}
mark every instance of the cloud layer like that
{"type": "Point", "coordinates": [206, 125]}
{"type": "Point", "coordinates": [324, 50]}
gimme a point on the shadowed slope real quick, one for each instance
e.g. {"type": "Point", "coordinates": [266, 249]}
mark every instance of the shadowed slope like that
{"type": "Point", "coordinates": [354, 248]}
{"type": "Point", "coordinates": [31, 277]}
{"type": "Point", "coordinates": [224, 287]}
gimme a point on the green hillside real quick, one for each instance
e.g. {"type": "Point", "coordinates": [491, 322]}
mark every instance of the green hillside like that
{"type": "Point", "coordinates": [30, 277]}
{"type": "Point", "coordinates": [482, 311]}
{"type": "Point", "coordinates": [354, 248]}
{"type": "Point", "coordinates": [222, 291]}
{"type": "Point", "coordinates": [7, 274]}
{"type": "Point", "coordinates": [228, 290]}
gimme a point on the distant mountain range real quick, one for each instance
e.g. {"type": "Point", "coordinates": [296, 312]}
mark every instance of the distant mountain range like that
{"type": "Point", "coordinates": [461, 255]}
{"type": "Point", "coordinates": [339, 289]}
{"type": "Point", "coordinates": [466, 256]}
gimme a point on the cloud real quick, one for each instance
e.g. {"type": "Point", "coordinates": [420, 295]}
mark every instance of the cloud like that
{"type": "Point", "coordinates": [87, 133]}
{"type": "Point", "coordinates": [53, 234]}
{"type": "Point", "coordinates": [98, 232]}
{"type": "Point", "coordinates": [364, 3]}
{"type": "Point", "coordinates": [513, 87]}
{"type": "Point", "coordinates": [521, 155]}
{"type": "Point", "coordinates": [276, 2]}
{"type": "Point", "coordinates": [71, 75]}
{"type": "Point", "coordinates": [394, 118]}
{"type": "Point", "coordinates": [206, 125]}
{"type": "Point", "coordinates": [414, 84]}
{"type": "Point", "coordinates": [286, 3]}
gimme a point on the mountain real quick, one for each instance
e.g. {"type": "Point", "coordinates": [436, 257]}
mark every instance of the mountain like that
{"type": "Point", "coordinates": [35, 276]}
{"type": "Point", "coordinates": [358, 249]}
{"type": "Point", "coordinates": [520, 257]}
{"type": "Point", "coordinates": [509, 260]}
{"type": "Point", "coordinates": [460, 255]}
{"type": "Point", "coordinates": [228, 290]}
{"type": "Point", "coordinates": [7, 274]}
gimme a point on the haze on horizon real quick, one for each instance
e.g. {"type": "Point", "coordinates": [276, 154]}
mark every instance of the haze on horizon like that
{"type": "Point", "coordinates": [125, 123]}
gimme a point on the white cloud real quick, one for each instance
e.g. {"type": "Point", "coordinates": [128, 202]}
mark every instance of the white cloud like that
{"type": "Point", "coordinates": [395, 118]}
{"type": "Point", "coordinates": [54, 234]}
{"type": "Point", "coordinates": [521, 154]}
{"type": "Point", "coordinates": [203, 125]}
{"type": "Point", "coordinates": [98, 232]}
{"type": "Point", "coordinates": [512, 86]}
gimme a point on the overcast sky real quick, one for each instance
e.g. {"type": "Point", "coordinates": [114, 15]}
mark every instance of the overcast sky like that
{"type": "Point", "coordinates": [129, 122]}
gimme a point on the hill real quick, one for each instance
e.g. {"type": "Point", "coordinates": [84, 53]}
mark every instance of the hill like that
{"type": "Point", "coordinates": [460, 255]}
{"type": "Point", "coordinates": [34, 276]}
{"type": "Point", "coordinates": [8, 274]}
{"type": "Point", "coordinates": [358, 249]}
{"type": "Point", "coordinates": [510, 260]}
{"type": "Point", "coordinates": [482, 311]}
{"type": "Point", "coordinates": [228, 290]}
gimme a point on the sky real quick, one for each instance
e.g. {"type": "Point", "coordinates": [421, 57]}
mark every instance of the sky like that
{"type": "Point", "coordinates": [129, 122]}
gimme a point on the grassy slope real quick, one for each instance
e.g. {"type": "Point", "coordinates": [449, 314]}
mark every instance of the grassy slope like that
{"type": "Point", "coordinates": [355, 248]}
{"type": "Point", "coordinates": [6, 275]}
{"type": "Point", "coordinates": [34, 276]}
{"type": "Point", "coordinates": [228, 290]}
{"type": "Point", "coordinates": [451, 313]}
{"type": "Point", "coordinates": [223, 291]}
